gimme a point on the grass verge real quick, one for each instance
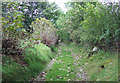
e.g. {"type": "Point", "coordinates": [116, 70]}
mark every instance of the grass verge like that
{"type": "Point", "coordinates": [35, 59]}
{"type": "Point", "coordinates": [101, 66]}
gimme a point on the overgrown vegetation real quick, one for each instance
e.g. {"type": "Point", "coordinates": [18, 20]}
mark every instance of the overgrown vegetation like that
{"type": "Point", "coordinates": [44, 31]}
{"type": "Point", "coordinates": [23, 51]}
{"type": "Point", "coordinates": [34, 31]}
{"type": "Point", "coordinates": [92, 23]}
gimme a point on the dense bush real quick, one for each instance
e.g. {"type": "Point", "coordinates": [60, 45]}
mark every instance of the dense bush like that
{"type": "Point", "coordinates": [75, 36]}
{"type": "Point", "coordinates": [27, 56]}
{"type": "Point", "coordinates": [16, 21]}
{"type": "Point", "coordinates": [64, 28]}
{"type": "Point", "coordinates": [92, 23]}
{"type": "Point", "coordinates": [44, 31]}
{"type": "Point", "coordinates": [63, 35]}
{"type": "Point", "coordinates": [12, 32]}
{"type": "Point", "coordinates": [31, 10]}
{"type": "Point", "coordinates": [101, 23]}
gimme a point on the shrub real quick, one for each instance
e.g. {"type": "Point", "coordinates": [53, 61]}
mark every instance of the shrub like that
{"type": "Point", "coordinates": [12, 33]}
{"type": "Point", "coordinates": [63, 35]}
{"type": "Point", "coordinates": [101, 23]}
{"type": "Point", "coordinates": [75, 36]}
{"type": "Point", "coordinates": [44, 32]}
{"type": "Point", "coordinates": [10, 47]}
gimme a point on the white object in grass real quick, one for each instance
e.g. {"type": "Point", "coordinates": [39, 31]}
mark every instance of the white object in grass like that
{"type": "Point", "coordinates": [95, 49]}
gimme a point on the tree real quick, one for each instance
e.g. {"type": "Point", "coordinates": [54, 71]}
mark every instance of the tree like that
{"type": "Point", "coordinates": [32, 10]}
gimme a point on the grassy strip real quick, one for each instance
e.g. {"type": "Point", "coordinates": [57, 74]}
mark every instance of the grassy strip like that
{"type": "Point", "coordinates": [36, 58]}
{"type": "Point", "coordinates": [101, 66]}
{"type": "Point", "coordinates": [63, 68]}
